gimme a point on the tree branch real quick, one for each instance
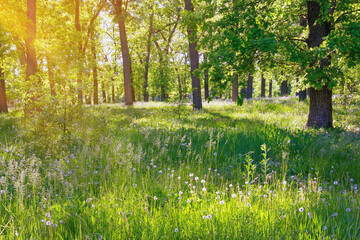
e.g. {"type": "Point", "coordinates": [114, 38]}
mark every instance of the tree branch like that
{"type": "Point", "coordinates": [345, 13]}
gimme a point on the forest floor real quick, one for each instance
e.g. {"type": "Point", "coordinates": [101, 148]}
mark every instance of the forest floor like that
{"type": "Point", "coordinates": [164, 171]}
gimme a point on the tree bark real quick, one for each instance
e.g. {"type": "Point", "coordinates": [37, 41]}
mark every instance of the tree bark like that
{"type": "Point", "coordinates": [103, 92]}
{"type": "Point", "coordinates": [262, 86]}
{"type": "Point", "coordinates": [270, 88]}
{"type": "Point", "coordinates": [235, 88]}
{"type": "Point", "coordinates": [284, 88]}
{"type": "Point", "coordinates": [302, 95]}
{"type": "Point", "coordinates": [3, 100]}
{"type": "Point", "coordinates": [320, 111]}
{"type": "Point", "coordinates": [80, 58]}
{"type": "Point", "coordinates": [194, 60]}
{"type": "Point", "coordinates": [51, 75]}
{"type": "Point", "coordinates": [206, 80]}
{"type": "Point", "coordinates": [112, 90]}
{"type": "Point", "coordinates": [147, 62]}
{"type": "Point", "coordinates": [95, 71]}
{"type": "Point", "coordinates": [249, 86]}
{"type": "Point", "coordinates": [31, 63]}
{"type": "Point", "coordinates": [128, 88]}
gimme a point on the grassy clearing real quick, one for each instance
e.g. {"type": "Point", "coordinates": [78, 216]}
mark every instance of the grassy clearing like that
{"type": "Point", "coordinates": [250, 172]}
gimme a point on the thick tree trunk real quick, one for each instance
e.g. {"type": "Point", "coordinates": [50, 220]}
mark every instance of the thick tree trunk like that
{"type": "Point", "coordinates": [320, 114]}
{"type": "Point", "coordinates": [147, 62]}
{"type": "Point", "coordinates": [194, 61]}
{"type": "Point", "coordinates": [3, 100]}
{"type": "Point", "coordinates": [249, 86]}
{"type": "Point", "coordinates": [270, 88]}
{"type": "Point", "coordinates": [284, 88]}
{"type": "Point", "coordinates": [95, 71]}
{"type": "Point", "coordinates": [262, 86]}
{"type": "Point", "coordinates": [80, 58]}
{"type": "Point", "coordinates": [320, 111]}
{"type": "Point", "coordinates": [235, 88]}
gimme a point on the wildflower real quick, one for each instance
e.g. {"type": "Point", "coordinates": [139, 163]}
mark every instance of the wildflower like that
{"type": "Point", "coordinates": [217, 192]}
{"type": "Point", "coordinates": [196, 178]}
{"type": "Point", "coordinates": [335, 214]}
{"type": "Point", "coordinates": [188, 201]}
{"type": "Point", "coordinates": [88, 200]}
{"type": "Point", "coordinates": [309, 214]}
{"type": "Point", "coordinates": [320, 189]}
{"type": "Point", "coordinates": [55, 225]}
{"type": "Point", "coordinates": [348, 210]}
{"type": "Point", "coordinates": [48, 223]}
{"type": "Point", "coordinates": [48, 215]}
{"type": "Point", "coordinates": [204, 217]}
{"type": "Point", "coordinates": [155, 198]}
{"type": "Point", "coordinates": [209, 216]}
{"type": "Point", "coordinates": [233, 195]}
{"type": "Point", "coordinates": [222, 202]}
{"type": "Point", "coordinates": [284, 182]}
{"type": "Point", "coordinates": [160, 171]}
{"type": "Point", "coordinates": [248, 204]}
{"type": "Point", "coordinates": [2, 191]}
{"type": "Point", "coordinates": [134, 185]}
{"type": "Point", "coordinates": [191, 191]}
{"type": "Point", "coordinates": [176, 229]}
{"type": "Point", "coordinates": [230, 185]}
{"type": "Point", "coordinates": [203, 189]}
{"type": "Point", "coordinates": [191, 175]}
{"type": "Point", "coordinates": [203, 181]}
{"type": "Point", "coordinates": [336, 183]}
{"type": "Point", "coordinates": [301, 209]}
{"type": "Point", "coordinates": [325, 227]}
{"type": "Point", "coordinates": [180, 193]}
{"type": "Point", "coordinates": [215, 153]}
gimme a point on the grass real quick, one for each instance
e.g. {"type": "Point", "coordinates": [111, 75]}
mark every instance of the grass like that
{"type": "Point", "coordinates": [250, 172]}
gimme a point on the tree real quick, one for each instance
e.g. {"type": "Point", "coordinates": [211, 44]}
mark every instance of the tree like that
{"type": "Point", "coordinates": [194, 58]}
{"type": "Point", "coordinates": [262, 85]}
{"type": "Point", "coordinates": [235, 88]}
{"type": "Point", "coordinates": [121, 8]}
{"type": "Point", "coordinates": [3, 100]}
{"type": "Point", "coordinates": [31, 62]}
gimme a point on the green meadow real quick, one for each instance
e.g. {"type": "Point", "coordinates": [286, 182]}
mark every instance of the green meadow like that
{"type": "Point", "coordinates": [164, 171]}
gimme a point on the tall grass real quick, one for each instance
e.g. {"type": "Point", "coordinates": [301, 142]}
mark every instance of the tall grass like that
{"type": "Point", "coordinates": [250, 172]}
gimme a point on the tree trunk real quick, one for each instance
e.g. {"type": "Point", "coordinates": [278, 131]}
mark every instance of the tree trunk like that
{"type": "Point", "coordinates": [3, 100]}
{"type": "Point", "coordinates": [95, 71]}
{"type": "Point", "coordinates": [284, 88]}
{"type": "Point", "coordinates": [249, 86]}
{"type": "Point", "coordinates": [180, 88]}
{"type": "Point", "coordinates": [147, 62]}
{"type": "Point", "coordinates": [31, 63]}
{"type": "Point", "coordinates": [302, 95]}
{"type": "Point", "coordinates": [270, 88]}
{"type": "Point", "coordinates": [206, 80]}
{"type": "Point", "coordinates": [235, 88]}
{"type": "Point", "coordinates": [129, 91]}
{"type": "Point", "coordinates": [51, 75]}
{"type": "Point", "coordinates": [262, 86]}
{"type": "Point", "coordinates": [112, 90]}
{"type": "Point", "coordinates": [320, 111]}
{"type": "Point", "coordinates": [80, 58]}
{"type": "Point", "coordinates": [103, 92]}
{"type": "Point", "coordinates": [194, 61]}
